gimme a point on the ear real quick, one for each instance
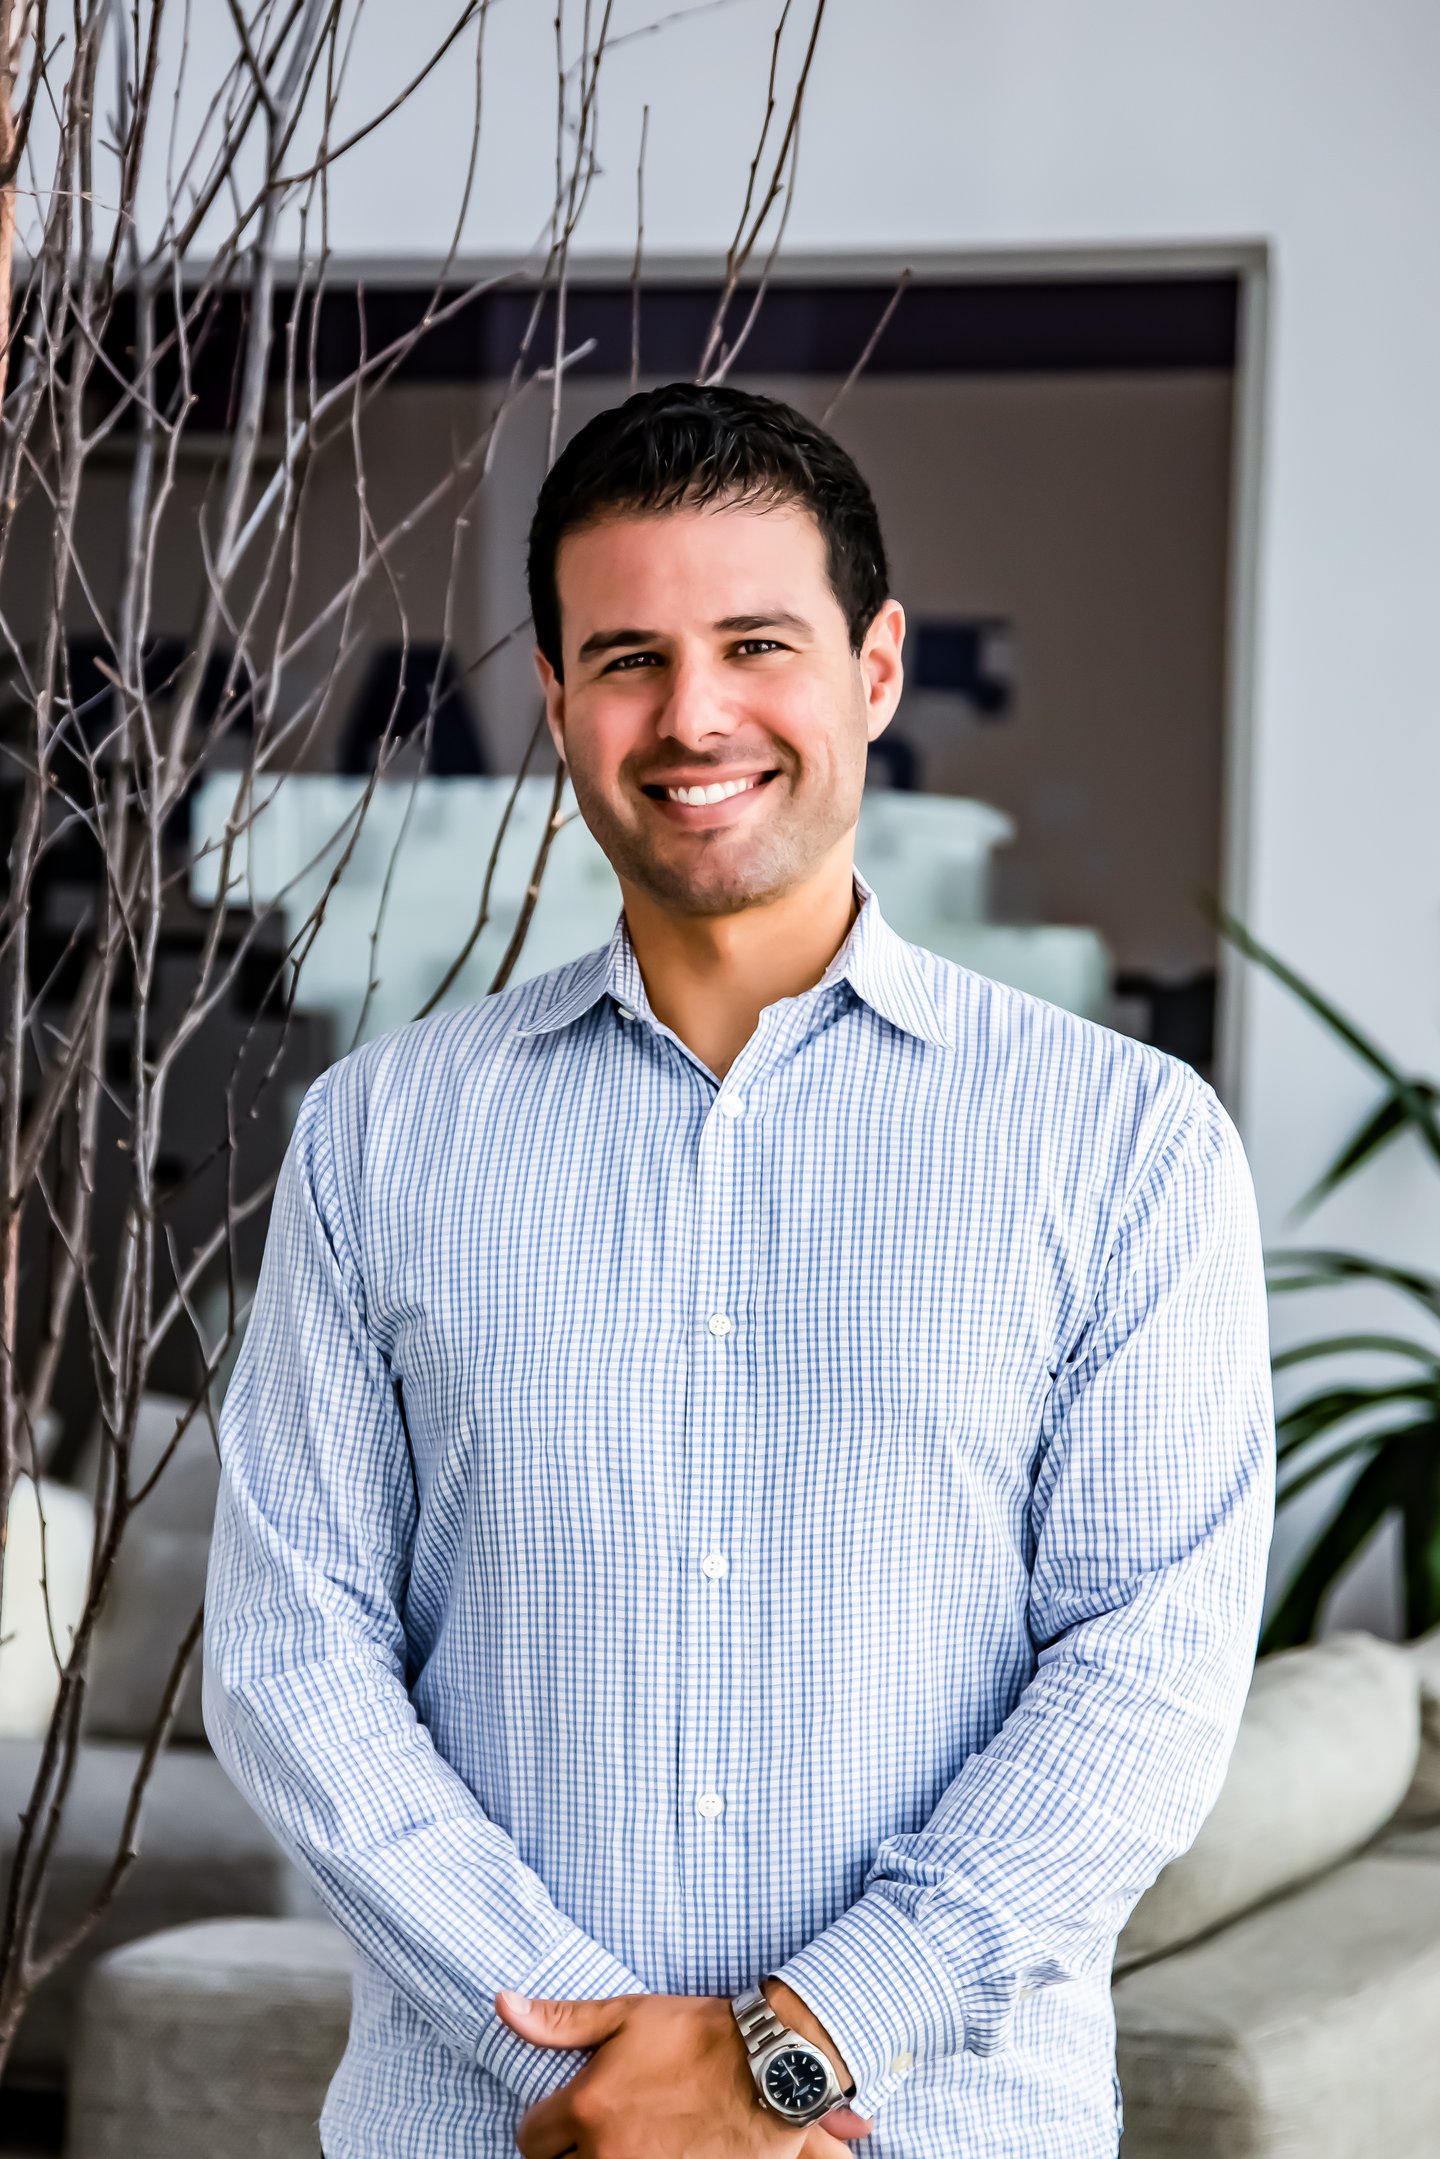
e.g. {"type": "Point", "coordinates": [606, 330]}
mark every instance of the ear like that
{"type": "Point", "coordinates": [882, 672]}
{"type": "Point", "coordinates": [554, 690]}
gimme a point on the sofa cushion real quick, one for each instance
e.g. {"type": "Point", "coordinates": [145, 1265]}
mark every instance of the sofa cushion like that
{"type": "Point", "coordinates": [1307, 2027]}
{"type": "Point", "coordinates": [1325, 1750]}
{"type": "Point", "coordinates": [1422, 1801]}
{"type": "Point", "coordinates": [203, 1852]}
{"type": "Point", "coordinates": [158, 1580]}
{"type": "Point", "coordinates": [218, 2039]}
{"type": "Point", "coordinates": [29, 1676]}
{"type": "Point", "coordinates": [156, 1587]}
{"type": "Point", "coordinates": [183, 1496]}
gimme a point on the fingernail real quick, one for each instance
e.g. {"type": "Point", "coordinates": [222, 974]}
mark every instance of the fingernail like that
{"type": "Point", "coordinates": [514, 2001]}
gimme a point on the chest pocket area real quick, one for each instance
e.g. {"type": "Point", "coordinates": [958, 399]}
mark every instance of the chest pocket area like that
{"type": "Point", "coordinates": [582, 1402]}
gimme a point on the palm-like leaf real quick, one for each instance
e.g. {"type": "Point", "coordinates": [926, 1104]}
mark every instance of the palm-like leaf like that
{"type": "Point", "coordinates": [1402, 1471]}
{"type": "Point", "coordinates": [1393, 1345]}
{"type": "Point", "coordinates": [1368, 1500]}
{"type": "Point", "coordinates": [1301, 1479]}
{"type": "Point", "coordinates": [1410, 1104]}
{"type": "Point", "coordinates": [1337, 1405]}
{"type": "Point", "coordinates": [1393, 1116]}
{"type": "Point", "coordinates": [1321, 1269]}
{"type": "Point", "coordinates": [1417, 1465]}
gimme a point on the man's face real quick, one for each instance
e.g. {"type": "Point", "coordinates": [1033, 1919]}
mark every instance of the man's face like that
{"type": "Point", "coordinates": [704, 646]}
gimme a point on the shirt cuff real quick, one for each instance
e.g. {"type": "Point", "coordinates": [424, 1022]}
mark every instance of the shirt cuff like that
{"type": "Point", "coordinates": [577, 1969]}
{"type": "Point", "coordinates": [882, 1993]}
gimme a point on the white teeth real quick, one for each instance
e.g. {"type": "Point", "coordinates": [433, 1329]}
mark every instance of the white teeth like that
{"type": "Point", "coordinates": [711, 794]}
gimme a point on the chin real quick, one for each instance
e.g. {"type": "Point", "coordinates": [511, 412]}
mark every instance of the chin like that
{"type": "Point", "coordinates": [725, 889]}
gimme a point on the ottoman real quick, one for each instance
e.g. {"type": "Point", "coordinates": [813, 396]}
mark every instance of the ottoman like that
{"type": "Point", "coordinates": [216, 2040]}
{"type": "Point", "coordinates": [204, 1854]}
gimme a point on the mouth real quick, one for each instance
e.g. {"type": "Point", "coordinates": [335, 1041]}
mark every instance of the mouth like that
{"type": "Point", "coordinates": [727, 809]}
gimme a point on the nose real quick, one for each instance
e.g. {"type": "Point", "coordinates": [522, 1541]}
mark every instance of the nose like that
{"type": "Point", "coordinates": [696, 707]}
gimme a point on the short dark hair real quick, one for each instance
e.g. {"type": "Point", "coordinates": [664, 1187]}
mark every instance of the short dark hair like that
{"type": "Point", "coordinates": [688, 443]}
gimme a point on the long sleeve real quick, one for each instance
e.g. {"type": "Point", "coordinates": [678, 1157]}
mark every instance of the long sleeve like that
{"type": "Point", "coordinates": [305, 1695]}
{"type": "Point", "coordinates": [1152, 1513]}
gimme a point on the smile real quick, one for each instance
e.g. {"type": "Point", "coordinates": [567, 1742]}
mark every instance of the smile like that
{"type": "Point", "coordinates": [715, 804]}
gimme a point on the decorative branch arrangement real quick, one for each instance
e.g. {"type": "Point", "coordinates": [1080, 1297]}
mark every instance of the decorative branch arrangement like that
{"type": "Point", "coordinates": [101, 369]}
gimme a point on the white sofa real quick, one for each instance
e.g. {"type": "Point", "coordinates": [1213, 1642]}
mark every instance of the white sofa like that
{"type": "Point", "coordinates": [1277, 1990]}
{"type": "Point", "coordinates": [203, 1851]}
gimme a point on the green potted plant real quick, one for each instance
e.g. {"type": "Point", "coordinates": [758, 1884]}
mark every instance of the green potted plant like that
{"type": "Point", "coordinates": [1389, 1426]}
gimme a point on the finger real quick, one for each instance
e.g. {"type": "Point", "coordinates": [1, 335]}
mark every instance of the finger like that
{"type": "Point", "coordinates": [557, 2023]}
{"type": "Point", "coordinates": [545, 2140]}
{"type": "Point", "coordinates": [547, 2129]}
{"type": "Point", "coordinates": [819, 2144]}
{"type": "Point", "coordinates": [844, 2123]}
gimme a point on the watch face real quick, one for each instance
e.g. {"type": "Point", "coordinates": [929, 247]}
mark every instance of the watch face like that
{"type": "Point", "coordinates": [794, 2080]}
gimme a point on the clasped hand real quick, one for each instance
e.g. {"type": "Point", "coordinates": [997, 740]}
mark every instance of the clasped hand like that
{"type": "Point", "coordinates": [669, 2080]}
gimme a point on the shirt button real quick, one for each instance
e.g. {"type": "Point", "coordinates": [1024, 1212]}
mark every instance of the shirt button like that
{"type": "Point", "coordinates": [719, 1323]}
{"type": "Point", "coordinates": [710, 1804]}
{"type": "Point", "coordinates": [626, 1013]}
{"type": "Point", "coordinates": [714, 1564]}
{"type": "Point", "coordinates": [902, 2064]}
{"type": "Point", "coordinates": [732, 1105]}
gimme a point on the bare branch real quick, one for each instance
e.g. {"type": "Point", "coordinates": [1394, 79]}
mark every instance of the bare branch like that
{"type": "Point", "coordinates": [124, 687]}
{"type": "Point", "coordinates": [128, 1852]}
{"type": "Point", "coordinates": [639, 251]}
{"type": "Point", "coordinates": [743, 245]}
{"type": "Point", "coordinates": [865, 357]}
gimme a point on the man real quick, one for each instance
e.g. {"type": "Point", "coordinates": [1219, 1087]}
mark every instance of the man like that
{"type": "Point", "coordinates": [751, 1465]}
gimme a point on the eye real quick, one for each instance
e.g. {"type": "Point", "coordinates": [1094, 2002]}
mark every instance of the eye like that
{"type": "Point", "coordinates": [626, 658]}
{"type": "Point", "coordinates": [772, 643]}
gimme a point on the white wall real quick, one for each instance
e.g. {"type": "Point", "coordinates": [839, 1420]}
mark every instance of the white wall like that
{"type": "Point", "coordinates": [934, 124]}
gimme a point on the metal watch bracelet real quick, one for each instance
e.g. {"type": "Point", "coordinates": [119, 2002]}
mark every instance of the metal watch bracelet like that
{"type": "Point", "coordinates": [764, 2035]}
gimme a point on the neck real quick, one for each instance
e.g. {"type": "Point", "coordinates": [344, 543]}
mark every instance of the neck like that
{"type": "Point", "coordinates": [709, 977]}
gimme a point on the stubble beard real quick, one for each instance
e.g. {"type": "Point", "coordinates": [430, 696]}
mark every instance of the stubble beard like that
{"type": "Point", "coordinates": [713, 873]}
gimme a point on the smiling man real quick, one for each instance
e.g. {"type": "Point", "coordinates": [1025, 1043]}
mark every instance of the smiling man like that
{"type": "Point", "coordinates": [746, 1488]}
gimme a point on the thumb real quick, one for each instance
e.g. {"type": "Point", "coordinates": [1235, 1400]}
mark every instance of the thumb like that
{"type": "Point", "coordinates": [844, 2123]}
{"type": "Point", "coordinates": [563, 2023]}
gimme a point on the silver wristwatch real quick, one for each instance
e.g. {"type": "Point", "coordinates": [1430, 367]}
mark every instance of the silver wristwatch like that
{"type": "Point", "coordinates": [794, 2077]}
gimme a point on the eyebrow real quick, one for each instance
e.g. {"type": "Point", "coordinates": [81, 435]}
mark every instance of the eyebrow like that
{"type": "Point", "coordinates": [616, 640]}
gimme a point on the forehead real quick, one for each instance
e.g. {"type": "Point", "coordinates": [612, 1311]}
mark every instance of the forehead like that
{"type": "Point", "coordinates": [695, 563]}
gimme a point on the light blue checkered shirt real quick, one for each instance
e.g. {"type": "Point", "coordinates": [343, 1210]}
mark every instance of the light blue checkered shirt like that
{"type": "Point", "coordinates": [843, 1499]}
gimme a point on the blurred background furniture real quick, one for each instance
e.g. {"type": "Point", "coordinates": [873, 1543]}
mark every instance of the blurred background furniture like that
{"type": "Point", "coordinates": [250, 1056]}
{"type": "Point", "coordinates": [1277, 1989]}
{"type": "Point", "coordinates": [928, 857]}
{"type": "Point", "coordinates": [203, 1850]}
{"type": "Point", "coordinates": [211, 2041]}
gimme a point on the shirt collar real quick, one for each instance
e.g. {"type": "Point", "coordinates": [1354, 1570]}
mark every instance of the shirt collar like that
{"type": "Point", "coordinates": [883, 969]}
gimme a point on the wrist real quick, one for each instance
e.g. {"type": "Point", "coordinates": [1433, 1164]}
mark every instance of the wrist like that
{"type": "Point", "coordinates": [799, 2017]}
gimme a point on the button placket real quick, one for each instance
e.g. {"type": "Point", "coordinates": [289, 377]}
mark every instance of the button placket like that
{"type": "Point", "coordinates": [702, 1758]}
{"type": "Point", "coordinates": [717, 1405]}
